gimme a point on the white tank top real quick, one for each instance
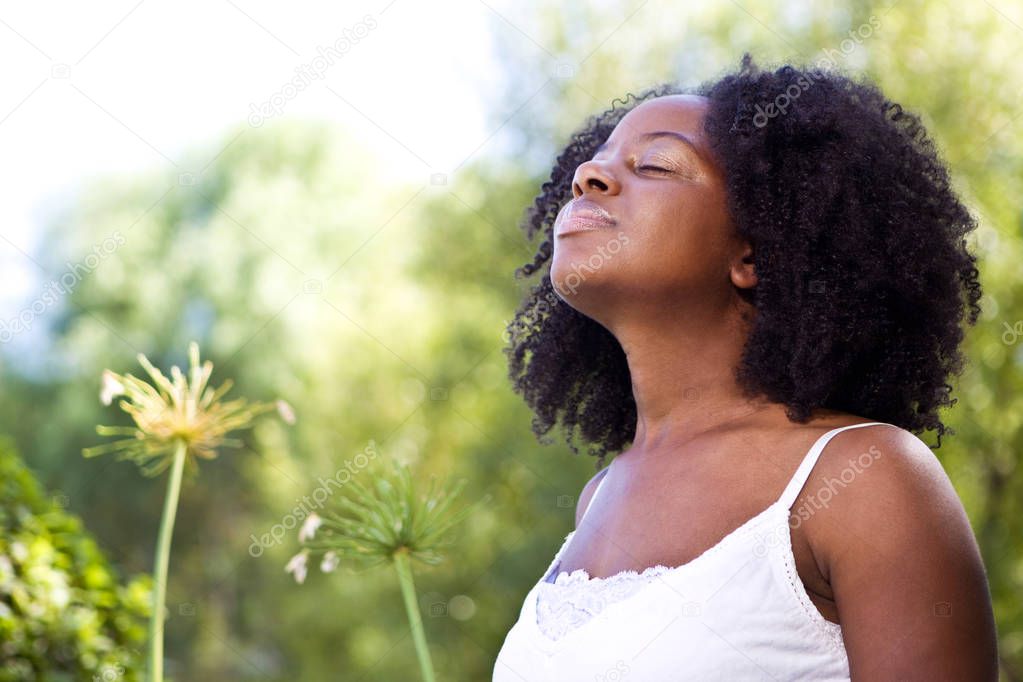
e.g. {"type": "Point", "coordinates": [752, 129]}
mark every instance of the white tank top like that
{"type": "Point", "coordinates": [738, 611]}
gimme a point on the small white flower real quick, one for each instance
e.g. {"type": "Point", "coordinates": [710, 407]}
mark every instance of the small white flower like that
{"type": "Point", "coordinates": [286, 412]}
{"type": "Point", "coordinates": [330, 562]}
{"type": "Point", "coordinates": [308, 529]}
{"type": "Point", "coordinates": [19, 551]}
{"type": "Point", "coordinates": [111, 387]}
{"type": "Point", "coordinates": [297, 566]}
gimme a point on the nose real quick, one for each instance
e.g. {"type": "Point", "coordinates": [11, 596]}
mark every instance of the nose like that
{"type": "Point", "coordinates": [593, 175]}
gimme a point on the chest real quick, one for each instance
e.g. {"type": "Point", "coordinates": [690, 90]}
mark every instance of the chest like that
{"type": "Point", "coordinates": [732, 614]}
{"type": "Point", "coordinates": [673, 515]}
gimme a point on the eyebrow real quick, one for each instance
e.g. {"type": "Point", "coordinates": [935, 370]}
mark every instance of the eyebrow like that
{"type": "Point", "coordinates": [646, 137]}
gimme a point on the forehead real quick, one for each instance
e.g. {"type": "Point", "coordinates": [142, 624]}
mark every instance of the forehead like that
{"type": "Point", "coordinates": [680, 113]}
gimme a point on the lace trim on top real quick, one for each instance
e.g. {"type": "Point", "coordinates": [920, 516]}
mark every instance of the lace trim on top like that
{"type": "Point", "coordinates": [573, 598]}
{"type": "Point", "coordinates": [832, 631]}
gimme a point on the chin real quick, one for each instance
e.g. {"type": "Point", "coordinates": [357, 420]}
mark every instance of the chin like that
{"type": "Point", "coordinates": [584, 267]}
{"type": "Point", "coordinates": [570, 276]}
{"type": "Point", "coordinates": [579, 286]}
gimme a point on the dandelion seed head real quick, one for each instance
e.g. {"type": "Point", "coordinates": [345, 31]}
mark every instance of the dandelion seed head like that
{"type": "Point", "coordinates": [373, 523]}
{"type": "Point", "coordinates": [168, 411]}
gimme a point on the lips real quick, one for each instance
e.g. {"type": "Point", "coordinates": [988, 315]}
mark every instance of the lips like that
{"type": "Point", "coordinates": [582, 216]}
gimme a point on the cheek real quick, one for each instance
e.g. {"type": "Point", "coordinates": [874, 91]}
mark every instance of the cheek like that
{"type": "Point", "coordinates": [676, 242]}
{"type": "Point", "coordinates": [683, 237]}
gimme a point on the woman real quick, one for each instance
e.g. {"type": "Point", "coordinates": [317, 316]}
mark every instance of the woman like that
{"type": "Point", "coordinates": [753, 294]}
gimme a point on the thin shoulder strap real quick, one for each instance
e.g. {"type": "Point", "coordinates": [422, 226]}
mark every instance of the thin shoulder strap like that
{"type": "Point", "coordinates": [595, 492]}
{"type": "Point", "coordinates": [788, 497]}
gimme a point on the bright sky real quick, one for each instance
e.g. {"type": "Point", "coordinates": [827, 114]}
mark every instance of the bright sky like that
{"type": "Point", "coordinates": [90, 88]}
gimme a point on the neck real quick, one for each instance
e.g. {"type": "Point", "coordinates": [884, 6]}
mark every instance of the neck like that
{"type": "Point", "coordinates": [683, 378]}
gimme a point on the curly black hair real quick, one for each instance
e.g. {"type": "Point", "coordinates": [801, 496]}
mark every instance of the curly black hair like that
{"type": "Point", "coordinates": [860, 251]}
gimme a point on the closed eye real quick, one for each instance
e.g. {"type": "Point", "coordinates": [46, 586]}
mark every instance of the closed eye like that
{"type": "Point", "coordinates": [653, 168]}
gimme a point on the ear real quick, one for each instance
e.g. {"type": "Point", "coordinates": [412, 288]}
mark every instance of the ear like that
{"type": "Point", "coordinates": [743, 272]}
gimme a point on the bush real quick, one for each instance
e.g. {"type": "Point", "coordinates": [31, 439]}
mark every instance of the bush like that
{"type": "Point", "coordinates": [63, 613]}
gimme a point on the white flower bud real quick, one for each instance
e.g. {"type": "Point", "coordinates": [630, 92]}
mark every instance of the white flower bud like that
{"type": "Point", "coordinates": [111, 388]}
{"type": "Point", "coordinates": [309, 526]}
{"type": "Point", "coordinates": [297, 566]}
{"type": "Point", "coordinates": [330, 562]}
{"type": "Point", "coordinates": [286, 412]}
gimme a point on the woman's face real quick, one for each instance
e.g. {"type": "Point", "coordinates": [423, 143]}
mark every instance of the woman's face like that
{"type": "Point", "coordinates": [670, 243]}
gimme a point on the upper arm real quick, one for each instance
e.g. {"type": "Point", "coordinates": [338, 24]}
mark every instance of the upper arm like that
{"type": "Point", "coordinates": [904, 566]}
{"type": "Point", "coordinates": [587, 494]}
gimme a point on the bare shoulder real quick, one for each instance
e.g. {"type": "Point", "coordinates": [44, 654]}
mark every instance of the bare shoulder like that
{"type": "Point", "coordinates": [884, 472]}
{"type": "Point", "coordinates": [897, 547]}
{"type": "Point", "coordinates": [587, 494]}
{"type": "Point", "coordinates": [882, 484]}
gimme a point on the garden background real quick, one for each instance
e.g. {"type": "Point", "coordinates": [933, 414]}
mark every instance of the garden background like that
{"type": "Point", "coordinates": [348, 246]}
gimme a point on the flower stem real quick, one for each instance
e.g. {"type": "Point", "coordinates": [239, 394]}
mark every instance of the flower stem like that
{"type": "Point", "coordinates": [170, 508]}
{"type": "Point", "coordinates": [408, 591]}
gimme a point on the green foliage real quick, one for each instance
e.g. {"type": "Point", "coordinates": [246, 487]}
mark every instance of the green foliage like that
{"type": "Point", "coordinates": [63, 613]}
